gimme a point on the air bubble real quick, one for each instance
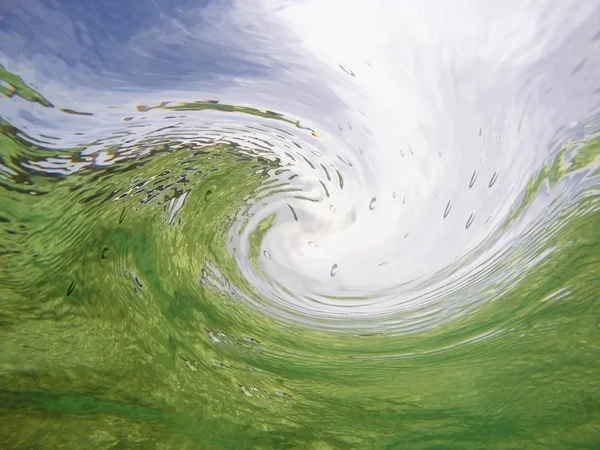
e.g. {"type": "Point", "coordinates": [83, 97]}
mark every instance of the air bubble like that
{"type": "Point", "coordinates": [293, 212]}
{"type": "Point", "coordinates": [448, 208]}
{"type": "Point", "coordinates": [348, 71]}
{"type": "Point", "coordinates": [473, 179]}
{"type": "Point", "coordinates": [470, 221]}
{"type": "Point", "coordinates": [334, 270]}
{"type": "Point", "coordinates": [373, 203]}
{"type": "Point", "coordinates": [267, 254]}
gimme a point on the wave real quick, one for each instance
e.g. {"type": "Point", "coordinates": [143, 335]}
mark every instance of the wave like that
{"type": "Point", "coordinates": [374, 213]}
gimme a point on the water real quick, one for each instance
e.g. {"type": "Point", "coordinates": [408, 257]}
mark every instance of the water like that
{"type": "Point", "coordinates": [302, 224]}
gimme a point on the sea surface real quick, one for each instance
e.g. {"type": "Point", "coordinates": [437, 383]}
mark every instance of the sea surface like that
{"type": "Point", "coordinates": [300, 224]}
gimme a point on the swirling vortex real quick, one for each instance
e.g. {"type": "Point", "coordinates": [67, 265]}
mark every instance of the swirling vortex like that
{"type": "Point", "coordinates": [420, 193]}
{"type": "Point", "coordinates": [427, 193]}
{"type": "Point", "coordinates": [264, 250]}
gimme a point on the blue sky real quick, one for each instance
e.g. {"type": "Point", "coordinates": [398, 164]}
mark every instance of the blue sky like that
{"type": "Point", "coordinates": [152, 45]}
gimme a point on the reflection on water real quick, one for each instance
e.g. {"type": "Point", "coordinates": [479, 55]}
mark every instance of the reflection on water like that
{"type": "Point", "coordinates": [300, 224]}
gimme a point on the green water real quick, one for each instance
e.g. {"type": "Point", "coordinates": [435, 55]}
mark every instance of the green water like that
{"type": "Point", "coordinates": [111, 338]}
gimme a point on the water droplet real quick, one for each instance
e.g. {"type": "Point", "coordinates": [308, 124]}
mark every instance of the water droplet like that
{"type": "Point", "coordinates": [384, 263]}
{"type": "Point", "coordinates": [324, 188]}
{"type": "Point", "coordinates": [348, 71]}
{"type": "Point", "coordinates": [367, 62]}
{"type": "Point", "coordinates": [267, 254]}
{"type": "Point", "coordinates": [313, 244]}
{"type": "Point", "coordinates": [71, 288]}
{"type": "Point", "coordinates": [448, 208]}
{"type": "Point", "coordinates": [293, 212]}
{"type": "Point", "coordinates": [332, 208]}
{"type": "Point", "coordinates": [373, 203]}
{"type": "Point", "coordinates": [122, 216]}
{"type": "Point", "coordinates": [494, 178]}
{"type": "Point", "coordinates": [473, 179]}
{"type": "Point", "coordinates": [334, 270]}
{"type": "Point", "coordinates": [470, 221]}
{"type": "Point", "coordinates": [326, 172]}
{"type": "Point", "coordinates": [395, 194]}
{"type": "Point", "coordinates": [348, 163]}
{"type": "Point", "coordinates": [340, 179]}
{"type": "Point", "coordinates": [104, 252]}
{"type": "Point", "coordinates": [406, 235]}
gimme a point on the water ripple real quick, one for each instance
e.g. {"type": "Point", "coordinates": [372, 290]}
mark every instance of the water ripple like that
{"type": "Point", "coordinates": [301, 213]}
